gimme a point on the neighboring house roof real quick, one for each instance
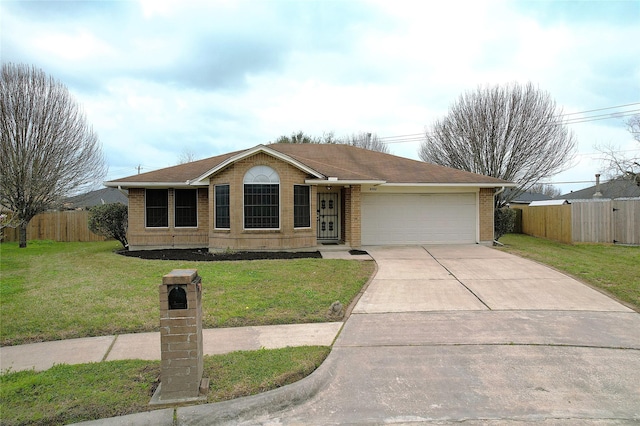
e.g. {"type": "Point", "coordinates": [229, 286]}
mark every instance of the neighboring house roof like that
{"type": "Point", "coordinates": [528, 197]}
{"type": "Point", "coordinates": [95, 198]}
{"type": "Point", "coordinates": [323, 162]}
{"type": "Point", "coordinates": [616, 188]}
{"type": "Point", "coordinates": [556, 202]}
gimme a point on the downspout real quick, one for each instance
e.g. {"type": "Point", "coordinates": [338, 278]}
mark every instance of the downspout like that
{"type": "Point", "coordinates": [498, 192]}
{"type": "Point", "coordinates": [124, 191]}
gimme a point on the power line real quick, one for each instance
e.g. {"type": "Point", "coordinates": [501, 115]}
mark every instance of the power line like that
{"type": "Point", "coordinates": [600, 109]}
{"type": "Point", "coordinates": [600, 117]}
{"type": "Point", "coordinates": [419, 137]}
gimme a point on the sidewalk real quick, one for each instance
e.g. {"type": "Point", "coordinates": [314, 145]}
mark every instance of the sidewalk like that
{"type": "Point", "coordinates": [41, 356]}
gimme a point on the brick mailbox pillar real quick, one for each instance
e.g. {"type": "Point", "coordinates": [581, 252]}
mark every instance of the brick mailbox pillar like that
{"type": "Point", "coordinates": [181, 338]}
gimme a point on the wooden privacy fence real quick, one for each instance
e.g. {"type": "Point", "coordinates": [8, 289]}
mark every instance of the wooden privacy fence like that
{"type": "Point", "coordinates": [598, 221]}
{"type": "Point", "coordinates": [64, 226]}
{"type": "Point", "coordinates": [552, 222]}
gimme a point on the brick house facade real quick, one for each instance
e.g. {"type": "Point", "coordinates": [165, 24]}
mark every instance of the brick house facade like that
{"type": "Point", "coordinates": [297, 196]}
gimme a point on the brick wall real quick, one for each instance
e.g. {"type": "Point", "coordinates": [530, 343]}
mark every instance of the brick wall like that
{"type": "Point", "coordinates": [352, 216]}
{"type": "Point", "coordinates": [486, 207]}
{"type": "Point", "coordinates": [238, 238]}
{"type": "Point", "coordinates": [140, 237]}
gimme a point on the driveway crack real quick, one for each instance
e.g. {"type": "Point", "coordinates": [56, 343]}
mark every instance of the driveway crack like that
{"type": "Point", "coordinates": [457, 279]}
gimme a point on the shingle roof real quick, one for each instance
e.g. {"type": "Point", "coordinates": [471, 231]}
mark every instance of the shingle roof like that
{"type": "Point", "coordinates": [526, 197]}
{"type": "Point", "coordinates": [344, 162]}
{"type": "Point", "coordinates": [95, 198]}
{"type": "Point", "coordinates": [616, 188]}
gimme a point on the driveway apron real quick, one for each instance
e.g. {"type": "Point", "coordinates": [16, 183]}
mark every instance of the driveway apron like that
{"type": "Point", "coordinates": [468, 333]}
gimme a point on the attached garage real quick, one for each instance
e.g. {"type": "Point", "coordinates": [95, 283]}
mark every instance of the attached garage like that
{"type": "Point", "coordinates": [389, 219]}
{"type": "Point", "coordinates": [371, 198]}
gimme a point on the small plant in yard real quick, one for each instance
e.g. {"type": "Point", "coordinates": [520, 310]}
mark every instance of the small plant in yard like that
{"type": "Point", "coordinates": [504, 221]}
{"type": "Point", "coordinates": [111, 221]}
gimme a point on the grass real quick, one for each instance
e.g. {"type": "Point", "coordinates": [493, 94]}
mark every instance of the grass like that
{"type": "Point", "coordinates": [52, 291]}
{"type": "Point", "coordinates": [74, 393]}
{"type": "Point", "coordinates": [612, 268]}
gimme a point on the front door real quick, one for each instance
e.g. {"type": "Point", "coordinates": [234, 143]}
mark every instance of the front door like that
{"type": "Point", "coordinates": [328, 215]}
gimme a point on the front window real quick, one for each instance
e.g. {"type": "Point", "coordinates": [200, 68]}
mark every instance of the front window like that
{"type": "Point", "coordinates": [301, 206]}
{"type": "Point", "coordinates": [261, 198]}
{"type": "Point", "coordinates": [223, 218]}
{"type": "Point", "coordinates": [186, 201]}
{"type": "Point", "coordinates": [157, 208]}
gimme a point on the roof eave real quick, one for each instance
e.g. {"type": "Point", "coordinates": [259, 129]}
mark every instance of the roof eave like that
{"type": "Point", "coordinates": [342, 182]}
{"type": "Point", "coordinates": [458, 184]}
{"type": "Point", "coordinates": [125, 185]}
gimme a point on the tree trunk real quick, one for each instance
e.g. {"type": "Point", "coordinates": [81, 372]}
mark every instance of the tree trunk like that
{"type": "Point", "coordinates": [23, 234]}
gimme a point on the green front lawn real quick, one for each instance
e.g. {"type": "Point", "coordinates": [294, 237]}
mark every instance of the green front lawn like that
{"type": "Point", "coordinates": [612, 268]}
{"type": "Point", "coordinates": [52, 291]}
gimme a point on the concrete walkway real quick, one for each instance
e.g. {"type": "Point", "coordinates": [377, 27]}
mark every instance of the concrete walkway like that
{"type": "Point", "coordinates": [41, 356]}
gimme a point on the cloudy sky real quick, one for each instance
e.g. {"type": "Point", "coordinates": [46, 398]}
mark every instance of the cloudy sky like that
{"type": "Point", "coordinates": [160, 78]}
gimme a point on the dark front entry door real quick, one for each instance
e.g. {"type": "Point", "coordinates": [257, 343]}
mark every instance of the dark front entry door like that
{"type": "Point", "coordinates": [328, 216]}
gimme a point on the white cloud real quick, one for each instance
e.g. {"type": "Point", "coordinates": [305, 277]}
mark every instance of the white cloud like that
{"type": "Point", "coordinates": [155, 76]}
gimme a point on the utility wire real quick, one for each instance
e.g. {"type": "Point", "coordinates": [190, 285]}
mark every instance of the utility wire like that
{"type": "Point", "coordinates": [599, 109]}
{"type": "Point", "coordinates": [600, 117]}
{"type": "Point", "coordinates": [418, 137]}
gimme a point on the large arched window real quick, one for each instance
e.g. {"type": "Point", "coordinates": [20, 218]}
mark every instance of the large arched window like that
{"type": "Point", "coordinates": [261, 198]}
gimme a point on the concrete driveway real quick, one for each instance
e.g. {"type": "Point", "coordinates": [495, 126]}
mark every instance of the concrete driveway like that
{"type": "Point", "coordinates": [452, 334]}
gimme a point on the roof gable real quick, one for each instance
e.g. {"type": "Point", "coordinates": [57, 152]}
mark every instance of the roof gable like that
{"type": "Point", "coordinates": [248, 153]}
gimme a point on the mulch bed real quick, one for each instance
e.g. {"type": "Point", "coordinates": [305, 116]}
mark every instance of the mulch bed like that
{"type": "Point", "coordinates": [203, 255]}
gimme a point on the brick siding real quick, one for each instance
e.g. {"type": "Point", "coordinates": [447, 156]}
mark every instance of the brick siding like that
{"type": "Point", "coordinates": [486, 215]}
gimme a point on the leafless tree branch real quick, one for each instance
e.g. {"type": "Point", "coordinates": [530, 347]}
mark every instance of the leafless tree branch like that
{"type": "Point", "coordinates": [616, 164]}
{"type": "Point", "coordinates": [365, 140]}
{"type": "Point", "coordinates": [47, 149]}
{"type": "Point", "coordinates": [509, 132]}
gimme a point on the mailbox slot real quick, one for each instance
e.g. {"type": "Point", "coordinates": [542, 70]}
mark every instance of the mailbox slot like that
{"type": "Point", "coordinates": [177, 297]}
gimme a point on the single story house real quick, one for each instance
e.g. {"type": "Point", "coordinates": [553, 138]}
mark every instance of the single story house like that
{"type": "Point", "coordinates": [295, 196]}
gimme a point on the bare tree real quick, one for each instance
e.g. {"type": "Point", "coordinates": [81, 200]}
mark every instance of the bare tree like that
{"type": "Point", "coordinates": [633, 125]}
{"type": "Point", "coordinates": [618, 165]}
{"type": "Point", "coordinates": [545, 189]}
{"type": "Point", "coordinates": [509, 132]}
{"type": "Point", "coordinates": [187, 156]}
{"type": "Point", "coordinates": [369, 141]}
{"type": "Point", "coordinates": [47, 149]}
{"type": "Point", "coordinates": [362, 140]}
{"type": "Point", "coordinates": [302, 137]}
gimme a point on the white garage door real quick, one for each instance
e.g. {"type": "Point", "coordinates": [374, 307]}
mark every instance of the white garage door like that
{"type": "Point", "coordinates": [418, 218]}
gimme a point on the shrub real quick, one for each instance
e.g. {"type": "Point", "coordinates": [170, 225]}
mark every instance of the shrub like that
{"type": "Point", "coordinates": [111, 221]}
{"type": "Point", "coordinates": [504, 221]}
